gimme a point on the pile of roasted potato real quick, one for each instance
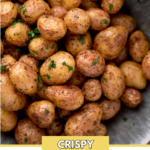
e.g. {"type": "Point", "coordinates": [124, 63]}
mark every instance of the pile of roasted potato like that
{"type": "Point", "coordinates": [67, 65]}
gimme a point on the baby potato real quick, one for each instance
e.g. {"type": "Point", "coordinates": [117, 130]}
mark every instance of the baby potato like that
{"type": "Point", "coordinates": [113, 82]}
{"type": "Point", "coordinates": [11, 99]}
{"type": "Point", "coordinates": [92, 90]}
{"type": "Point", "coordinates": [131, 97]}
{"type": "Point", "coordinates": [111, 41]}
{"type": "Point", "coordinates": [86, 4]}
{"type": "Point", "coordinates": [70, 4]}
{"type": "Point", "coordinates": [99, 19]}
{"type": "Point", "coordinates": [8, 13]}
{"type": "Point", "coordinates": [68, 97]}
{"type": "Point", "coordinates": [28, 133]}
{"type": "Point", "coordinates": [41, 48]}
{"type": "Point", "coordinates": [124, 20]}
{"type": "Point", "coordinates": [24, 78]}
{"type": "Point", "coordinates": [64, 114]}
{"type": "Point", "coordinates": [2, 48]}
{"type": "Point", "coordinates": [75, 43]}
{"type": "Point", "coordinates": [58, 68]}
{"type": "Point", "coordinates": [17, 34]}
{"type": "Point", "coordinates": [54, 3]}
{"type": "Point", "coordinates": [77, 21]}
{"type": "Point", "coordinates": [84, 121]}
{"type": "Point", "coordinates": [112, 7]}
{"type": "Point", "coordinates": [8, 120]}
{"type": "Point", "coordinates": [138, 46]}
{"type": "Point", "coordinates": [134, 76]}
{"type": "Point", "coordinates": [33, 10]}
{"type": "Point", "coordinates": [90, 63]}
{"type": "Point", "coordinates": [51, 28]}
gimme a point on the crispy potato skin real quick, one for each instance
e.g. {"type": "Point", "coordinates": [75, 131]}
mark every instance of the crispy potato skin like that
{"type": "Point", "coordinates": [11, 99]}
{"type": "Point", "coordinates": [8, 120]}
{"type": "Point", "coordinates": [111, 41]}
{"type": "Point", "coordinates": [109, 108]}
{"type": "Point", "coordinates": [70, 4]}
{"type": "Point", "coordinates": [84, 61]}
{"type": "Point", "coordinates": [26, 129]}
{"type": "Point", "coordinates": [84, 121]}
{"type": "Point", "coordinates": [138, 46]}
{"type": "Point", "coordinates": [134, 76]}
{"type": "Point", "coordinates": [131, 97]}
{"type": "Point", "coordinates": [86, 4]}
{"type": "Point", "coordinates": [2, 47]}
{"type": "Point", "coordinates": [68, 97]}
{"type": "Point", "coordinates": [64, 114]}
{"type": "Point", "coordinates": [23, 78]}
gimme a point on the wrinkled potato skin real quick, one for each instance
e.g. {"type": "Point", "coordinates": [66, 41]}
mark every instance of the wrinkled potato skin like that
{"type": "Point", "coordinates": [26, 129]}
{"type": "Point", "coordinates": [84, 121]}
{"type": "Point", "coordinates": [70, 4]}
{"type": "Point", "coordinates": [60, 74]}
{"type": "Point", "coordinates": [131, 97]}
{"type": "Point", "coordinates": [111, 41]}
{"type": "Point", "coordinates": [8, 120]}
{"type": "Point", "coordinates": [68, 97]}
{"type": "Point", "coordinates": [92, 90]}
{"type": "Point", "coordinates": [14, 100]}
{"type": "Point", "coordinates": [86, 4]}
{"type": "Point", "coordinates": [8, 11]}
{"type": "Point", "coordinates": [64, 114]}
{"type": "Point", "coordinates": [138, 46]}
{"type": "Point", "coordinates": [85, 59]}
{"type": "Point", "coordinates": [109, 108]}
{"type": "Point", "coordinates": [24, 78]}
{"type": "Point", "coordinates": [134, 76]}
{"type": "Point", "coordinates": [2, 48]}
{"type": "Point", "coordinates": [35, 9]}
{"type": "Point", "coordinates": [79, 24]}
{"type": "Point", "coordinates": [113, 82]}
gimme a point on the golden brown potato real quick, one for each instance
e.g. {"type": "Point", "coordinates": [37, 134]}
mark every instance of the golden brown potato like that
{"type": "Point", "coordinates": [8, 120]}
{"type": "Point", "coordinates": [17, 34]}
{"type": "Point", "coordinates": [70, 4]}
{"type": "Point", "coordinates": [90, 63]}
{"type": "Point", "coordinates": [92, 90]}
{"type": "Point", "coordinates": [11, 99]}
{"type": "Point", "coordinates": [75, 43]}
{"type": "Point", "coordinates": [131, 97]}
{"type": "Point", "coordinates": [28, 133]}
{"type": "Point", "coordinates": [41, 48]}
{"type": "Point", "coordinates": [33, 9]}
{"type": "Point", "coordinates": [24, 78]}
{"type": "Point", "coordinates": [138, 46]}
{"type": "Point", "coordinates": [123, 20]}
{"type": "Point", "coordinates": [77, 21]}
{"type": "Point", "coordinates": [2, 47]}
{"type": "Point", "coordinates": [54, 3]}
{"type": "Point", "coordinates": [111, 41]}
{"type": "Point", "coordinates": [64, 114]}
{"type": "Point", "coordinates": [133, 74]}
{"type": "Point", "coordinates": [86, 4]}
{"type": "Point", "coordinates": [109, 108]}
{"type": "Point", "coordinates": [68, 97]}
{"type": "Point", "coordinates": [8, 12]}
{"type": "Point", "coordinates": [112, 7]}
{"type": "Point", "coordinates": [58, 68]}
{"type": "Point", "coordinates": [51, 28]}
{"type": "Point", "coordinates": [99, 19]}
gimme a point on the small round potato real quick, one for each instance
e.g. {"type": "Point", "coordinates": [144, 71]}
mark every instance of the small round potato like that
{"type": "Point", "coordinates": [70, 4]}
{"type": "Point", "coordinates": [75, 43]}
{"type": "Point", "coordinates": [99, 19]}
{"type": "Point", "coordinates": [2, 47]}
{"type": "Point", "coordinates": [134, 76]}
{"type": "Point", "coordinates": [33, 10]}
{"type": "Point", "coordinates": [60, 70]}
{"type": "Point", "coordinates": [77, 21]}
{"type": "Point", "coordinates": [54, 3]}
{"type": "Point", "coordinates": [41, 48]}
{"type": "Point", "coordinates": [51, 28]}
{"type": "Point", "coordinates": [84, 121]}
{"type": "Point", "coordinates": [138, 46]}
{"type": "Point", "coordinates": [111, 41]}
{"type": "Point", "coordinates": [8, 120]}
{"type": "Point", "coordinates": [64, 114]}
{"type": "Point", "coordinates": [24, 78]}
{"type": "Point", "coordinates": [17, 34]}
{"type": "Point", "coordinates": [109, 108]}
{"type": "Point", "coordinates": [92, 90]}
{"type": "Point", "coordinates": [86, 4]}
{"type": "Point", "coordinates": [68, 97]}
{"type": "Point", "coordinates": [90, 63]}
{"type": "Point", "coordinates": [131, 97]}
{"type": "Point", "coordinates": [8, 13]}
{"type": "Point", "coordinates": [28, 133]}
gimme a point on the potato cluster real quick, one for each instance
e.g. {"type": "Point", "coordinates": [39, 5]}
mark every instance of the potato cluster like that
{"type": "Point", "coordinates": [68, 65]}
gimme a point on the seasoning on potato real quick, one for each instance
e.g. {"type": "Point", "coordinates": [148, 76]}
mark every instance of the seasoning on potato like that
{"type": "Point", "coordinates": [64, 114]}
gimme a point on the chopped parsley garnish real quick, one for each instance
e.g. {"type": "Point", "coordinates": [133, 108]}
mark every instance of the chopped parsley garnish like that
{"type": "Point", "coordinates": [48, 77]}
{"type": "Point", "coordinates": [105, 79]}
{"type": "Point", "coordinates": [52, 65]}
{"type": "Point", "coordinates": [95, 62]}
{"type": "Point", "coordinates": [26, 16]}
{"type": "Point", "coordinates": [34, 33]}
{"type": "Point", "coordinates": [102, 35]}
{"type": "Point", "coordinates": [41, 87]}
{"type": "Point", "coordinates": [46, 16]}
{"type": "Point", "coordinates": [3, 68]}
{"type": "Point", "coordinates": [69, 67]}
{"type": "Point", "coordinates": [76, 16]}
{"type": "Point", "coordinates": [82, 34]}
{"type": "Point", "coordinates": [20, 89]}
{"type": "Point", "coordinates": [121, 51]}
{"type": "Point", "coordinates": [18, 11]}
{"type": "Point", "coordinates": [1, 81]}
{"type": "Point", "coordinates": [18, 49]}
{"type": "Point", "coordinates": [26, 41]}
{"type": "Point", "coordinates": [39, 78]}
{"type": "Point", "coordinates": [17, 33]}
{"type": "Point", "coordinates": [15, 22]}
{"type": "Point", "coordinates": [72, 39]}
{"type": "Point", "coordinates": [81, 41]}
{"type": "Point", "coordinates": [25, 140]}
{"type": "Point", "coordinates": [47, 112]}
{"type": "Point", "coordinates": [36, 52]}
{"type": "Point", "coordinates": [24, 11]}
{"type": "Point", "coordinates": [45, 49]}
{"type": "Point", "coordinates": [105, 22]}
{"type": "Point", "coordinates": [49, 59]}
{"type": "Point", "coordinates": [52, 46]}
{"type": "Point", "coordinates": [125, 119]}
{"type": "Point", "coordinates": [38, 66]}
{"type": "Point", "coordinates": [110, 6]}
{"type": "Point", "coordinates": [13, 7]}
{"type": "Point", "coordinates": [2, 56]}
{"type": "Point", "coordinates": [23, 6]}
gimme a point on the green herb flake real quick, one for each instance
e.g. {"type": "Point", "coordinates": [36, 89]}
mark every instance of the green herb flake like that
{"type": "Point", "coordinates": [69, 67]}
{"type": "Point", "coordinates": [139, 1]}
{"type": "Point", "coordinates": [28, 55]}
{"type": "Point", "coordinates": [81, 40]}
{"type": "Point", "coordinates": [24, 11]}
{"type": "Point", "coordinates": [72, 39]}
{"type": "Point", "coordinates": [49, 59]}
{"type": "Point", "coordinates": [46, 16]}
{"type": "Point", "coordinates": [23, 6]}
{"type": "Point", "coordinates": [34, 33]}
{"type": "Point", "coordinates": [17, 33]}
{"type": "Point", "coordinates": [50, 126]}
{"type": "Point", "coordinates": [15, 22]}
{"type": "Point", "coordinates": [52, 46]}
{"type": "Point", "coordinates": [26, 41]}
{"type": "Point", "coordinates": [105, 79]}
{"type": "Point", "coordinates": [22, 23]}
{"type": "Point", "coordinates": [13, 7]}
{"type": "Point", "coordinates": [110, 6]}
{"type": "Point", "coordinates": [20, 89]}
{"type": "Point", "coordinates": [2, 56]}
{"type": "Point", "coordinates": [41, 87]}
{"type": "Point", "coordinates": [26, 16]}
{"type": "Point", "coordinates": [25, 140]}
{"type": "Point", "coordinates": [18, 11]}
{"type": "Point", "coordinates": [104, 22]}
{"type": "Point", "coordinates": [48, 77]}
{"type": "Point", "coordinates": [103, 36]}
{"type": "Point", "coordinates": [82, 34]}
{"type": "Point", "coordinates": [34, 51]}
{"type": "Point", "coordinates": [45, 49]}
{"type": "Point", "coordinates": [47, 112]}
{"type": "Point", "coordinates": [121, 51]}
{"type": "Point", "coordinates": [52, 65]}
{"type": "Point", "coordinates": [3, 68]}
{"type": "Point", "coordinates": [125, 119]}
{"type": "Point", "coordinates": [39, 78]}
{"type": "Point", "coordinates": [1, 81]}
{"type": "Point", "coordinates": [76, 16]}
{"type": "Point", "coordinates": [95, 62]}
{"type": "Point", "coordinates": [38, 66]}
{"type": "Point", "coordinates": [56, 120]}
